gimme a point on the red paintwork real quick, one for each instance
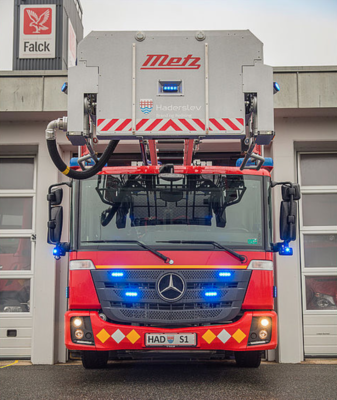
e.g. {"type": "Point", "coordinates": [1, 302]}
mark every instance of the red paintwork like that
{"type": "Point", "coordinates": [188, 151]}
{"type": "Point", "coordinates": [82, 292]}
{"type": "Point", "coordinates": [153, 152]}
{"type": "Point", "coordinates": [180, 169]}
{"type": "Point", "coordinates": [110, 344]}
{"type": "Point", "coordinates": [259, 295]}
{"type": "Point", "coordinates": [183, 257]}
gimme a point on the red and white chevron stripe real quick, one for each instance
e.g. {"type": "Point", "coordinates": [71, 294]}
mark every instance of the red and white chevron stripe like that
{"type": "Point", "coordinates": [228, 125]}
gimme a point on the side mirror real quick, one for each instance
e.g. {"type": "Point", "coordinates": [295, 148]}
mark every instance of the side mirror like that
{"type": "Point", "coordinates": [55, 225]}
{"type": "Point", "coordinates": [55, 221]}
{"type": "Point", "coordinates": [55, 197]}
{"type": "Point", "coordinates": [291, 192]}
{"type": "Point", "coordinates": [288, 191]}
{"type": "Point", "coordinates": [288, 221]}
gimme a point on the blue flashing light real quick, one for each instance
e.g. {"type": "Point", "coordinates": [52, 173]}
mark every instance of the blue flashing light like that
{"type": "Point", "coordinates": [64, 88]}
{"type": "Point", "coordinates": [276, 87]}
{"type": "Point", "coordinates": [211, 294]}
{"type": "Point", "coordinates": [285, 250]}
{"type": "Point", "coordinates": [225, 274]}
{"type": "Point", "coordinates": [60, 250]}
{"type": "Point", "coordinates": [117, 274]}
{"type": "Point", "coordinates": [131, 294]}
{"type": "Point", "coordinates": [170, 88]}
{"type": "Point", "coordinates": [268, 162]}
{"type": "Point", "coordinates": [57, 252]}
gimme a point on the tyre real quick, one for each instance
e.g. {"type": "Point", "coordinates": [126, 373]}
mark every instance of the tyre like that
{"type": "Point", "coordinates": [248, 359]}
{"type": "Point", "coordinates": [95, 359]}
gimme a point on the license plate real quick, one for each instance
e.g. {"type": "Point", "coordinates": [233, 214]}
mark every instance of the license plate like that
{"type": "Point", "coordinates": [170, 339]}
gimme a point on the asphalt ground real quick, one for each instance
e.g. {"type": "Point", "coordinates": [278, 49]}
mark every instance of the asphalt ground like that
{"type": "Point", "coordinates": [169, 380]}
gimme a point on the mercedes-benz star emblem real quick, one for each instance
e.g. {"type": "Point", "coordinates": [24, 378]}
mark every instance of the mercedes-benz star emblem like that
{"type": "Point", "coordinates": [171, 287]}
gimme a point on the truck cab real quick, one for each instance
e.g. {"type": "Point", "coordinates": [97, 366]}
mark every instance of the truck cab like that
{"type": "Point", "coordinates": [171, 261]}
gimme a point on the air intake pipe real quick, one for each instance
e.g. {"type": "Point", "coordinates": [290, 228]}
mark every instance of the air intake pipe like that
{"type": "Point", "coordinates": [61, 123]}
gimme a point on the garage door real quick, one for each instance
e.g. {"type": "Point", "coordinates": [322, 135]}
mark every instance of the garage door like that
{"type": "Point", "coordinates": [17, 244]}
{"type": "Point", "coordinates": [318, 209]}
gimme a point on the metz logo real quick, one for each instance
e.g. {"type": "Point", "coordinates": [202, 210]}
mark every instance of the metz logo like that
{"type": "Point", "coordinates": [163, 61]}
{"type": "Point", "coordinates": [37, 21]}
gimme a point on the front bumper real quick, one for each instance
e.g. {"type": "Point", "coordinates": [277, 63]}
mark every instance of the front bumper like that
{"type": "Point", "coordinates": [231, 337]}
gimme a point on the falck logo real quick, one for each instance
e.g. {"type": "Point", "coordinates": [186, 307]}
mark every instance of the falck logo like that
{"type": "Point", "coordinates": [164, 61]}
{"type": "Point", "coordinates": [37, 21]}
{"type": "Point", "coordinates": [146, 105]}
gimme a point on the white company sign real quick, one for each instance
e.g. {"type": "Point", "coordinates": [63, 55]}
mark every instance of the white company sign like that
{"type": "Point", "coordinates": [37, 31]}
{"type": "Point", "coordinates": [71, 46]}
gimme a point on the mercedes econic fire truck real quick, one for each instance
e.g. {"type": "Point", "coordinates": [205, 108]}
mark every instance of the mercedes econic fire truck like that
{"type": "Point", "coordinates": [170, 257]}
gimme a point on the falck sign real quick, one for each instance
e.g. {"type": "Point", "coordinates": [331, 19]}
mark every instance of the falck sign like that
{"type": "Point", "coordinates": [37, 31]}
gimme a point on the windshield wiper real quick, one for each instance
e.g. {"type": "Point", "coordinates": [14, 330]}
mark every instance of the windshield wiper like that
{"type": "Point", "coordinates": [216, 244]}
{"type": "Point", "coordinates": [167, 260]}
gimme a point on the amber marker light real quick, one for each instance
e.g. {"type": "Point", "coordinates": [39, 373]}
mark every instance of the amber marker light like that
{"type": "Point", "coordinates": [79, 334]}
{"type": "Point", "coordinates": [263, 334]}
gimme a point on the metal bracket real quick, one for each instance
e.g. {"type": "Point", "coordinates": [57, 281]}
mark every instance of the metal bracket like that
{"type": "Point", "coordinates": [206, 91]}
{"type": "Point", "coordinates": [91, 155]}
{"type": "Point", "coordinates": [134, 88]}
{"type": "Point", "coordinates": [142, 145]}
{"type": "Point", "coordinates": [188, 151]}
{"type": "Point", "coordinates": [153, 152]}
{"type": "Point", "coordinates": [254, 156]}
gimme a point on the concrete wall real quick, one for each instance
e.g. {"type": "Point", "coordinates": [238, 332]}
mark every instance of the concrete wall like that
{"type": "Point", "coordinates": [18, 135]}
{"type": "Point", "coordinates": [302, 133]}
{"type": "Point", "coordinates": [306, 120]}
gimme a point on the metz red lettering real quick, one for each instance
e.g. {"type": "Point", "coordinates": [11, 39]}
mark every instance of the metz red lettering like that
{"type": "Point", "coordinates": [162, 61]}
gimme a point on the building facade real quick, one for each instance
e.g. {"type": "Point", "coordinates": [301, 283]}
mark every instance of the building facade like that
{"type": "Point", "coordinates": [304, 150]}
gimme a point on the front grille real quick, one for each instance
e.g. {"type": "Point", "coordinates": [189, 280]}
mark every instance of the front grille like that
{"type": "Point", "coordinates": [150, 309]}
{"type": "Point", "coordinates": [172, 307]}
{"type": "Point", "coordinates": [167, 316]}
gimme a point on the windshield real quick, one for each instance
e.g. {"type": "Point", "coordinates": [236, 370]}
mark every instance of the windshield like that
{"type": "Point", "coordinates": [158, 209]}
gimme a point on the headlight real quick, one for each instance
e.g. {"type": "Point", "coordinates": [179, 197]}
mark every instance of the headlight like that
{"type": "Point", "coordinates": [260, 331]}
{"type": "Point", "coordinates": [77, 322]}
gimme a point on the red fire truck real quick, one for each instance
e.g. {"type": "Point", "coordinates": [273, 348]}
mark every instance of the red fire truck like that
{"type": "Point", "coordinates": [168, 258]}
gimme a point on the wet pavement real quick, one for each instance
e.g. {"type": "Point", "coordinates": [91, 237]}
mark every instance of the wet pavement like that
{"type": "Point", "coordinates": [169, 380]}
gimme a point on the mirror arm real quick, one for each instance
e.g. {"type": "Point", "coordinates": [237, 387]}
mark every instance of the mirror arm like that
{"type": "Point", "coordinates": [273, 183]}
{"type": "Point", "coordinates": [69, 184]}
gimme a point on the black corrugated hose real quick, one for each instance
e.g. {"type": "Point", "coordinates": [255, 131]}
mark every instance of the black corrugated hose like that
{"type": "Point", "coordinates": [62, 167]}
